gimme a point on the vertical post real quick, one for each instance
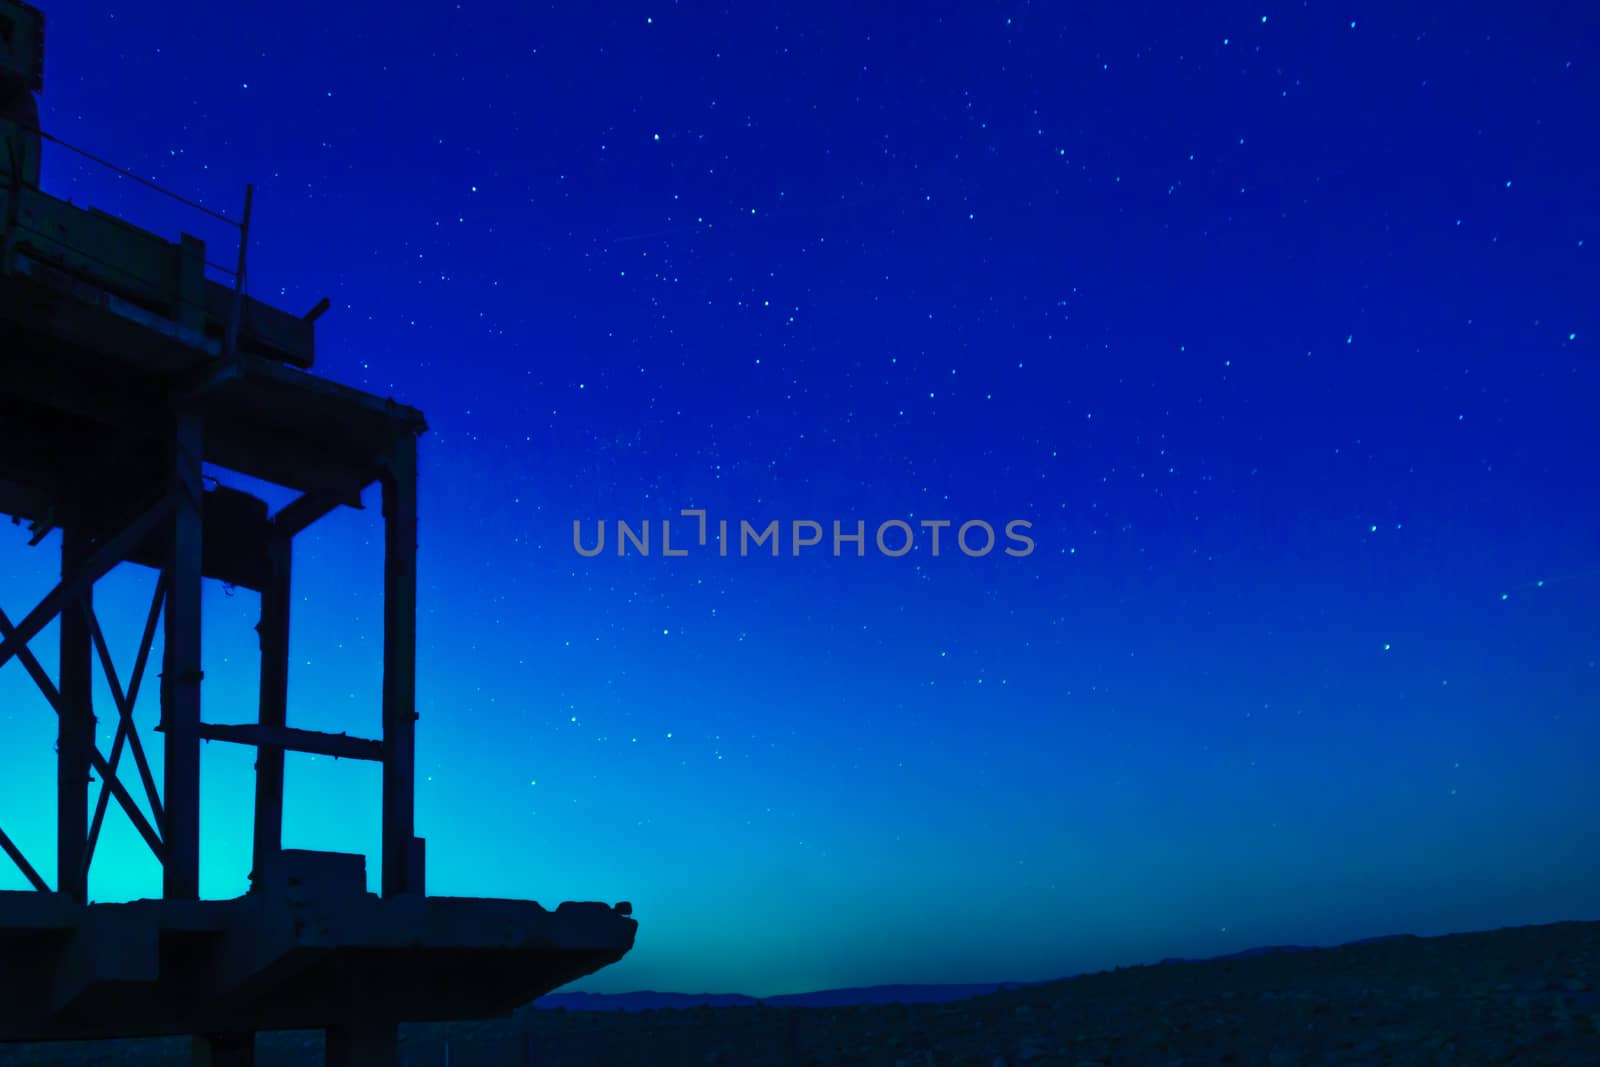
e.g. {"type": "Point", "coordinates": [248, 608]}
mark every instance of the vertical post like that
{"type": "Point", "coordinates": [274, 633]}
{"type": "Point", "coordinates": [181, 674]}
{"type": "Point", "coordinates": [191, 307]}
{"type": "Point", "coordinates": [231, 336]}
{"type": "Point", "coordinates": [75, 727]}
{"type": "Point", "coordinates": [399, 664]}
{"type": "Point", "coordinates": [13, 203]}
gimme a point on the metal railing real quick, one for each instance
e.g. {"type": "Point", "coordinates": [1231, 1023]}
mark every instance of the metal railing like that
{"type": "Point", "coordinates": [14, 226]}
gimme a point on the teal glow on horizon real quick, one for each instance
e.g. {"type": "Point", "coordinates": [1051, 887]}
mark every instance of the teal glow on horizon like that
{"type": "Point", "coordinates": [1277, 330]}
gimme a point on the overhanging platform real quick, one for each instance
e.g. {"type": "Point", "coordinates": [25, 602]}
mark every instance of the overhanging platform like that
{"type": "Point", "coordinates": [285, 961]}
{"type": "Point", "coordinates": [88, 385]}
{"type": "Point", "coordinates": [131, 385]}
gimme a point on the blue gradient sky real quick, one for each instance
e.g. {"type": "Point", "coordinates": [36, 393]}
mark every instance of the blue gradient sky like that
{"type": "Point", "coordinates": [1276, 322]}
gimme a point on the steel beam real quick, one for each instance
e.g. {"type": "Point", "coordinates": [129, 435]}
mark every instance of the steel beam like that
{"type": "Point", "coordinates": [399, 665]}
{"type": "Point", "coordinates": [181, 674]}
{"type": "Point", "coordinates": [10, 849]}
{"type": "Point", "coordinates": [101, 767]}
{"type": "Point", "coordinates": [126, 730]}
{"type": "Point", "coordinates": [74, 727]}
{"type": "Point", "coordinates": [287, 739]}
{"type": "Point", "coordinates": [124, 700]}
{"type": "Point", "coordinates": [273, 630]}
{"type": "Point", "coordinates": [309, 507]}
{"type": "Point", "coordinates": [290, 464]}
{"type": "Point", "coordinates": [111, 552]}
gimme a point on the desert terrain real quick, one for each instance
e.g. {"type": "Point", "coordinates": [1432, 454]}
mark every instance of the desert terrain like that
{"type": "Point", "coordinates": [1524, 996]}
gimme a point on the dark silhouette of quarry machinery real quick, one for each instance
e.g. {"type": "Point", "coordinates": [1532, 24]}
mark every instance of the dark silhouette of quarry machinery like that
{"type": "Point", "coordinates": [124, 368]}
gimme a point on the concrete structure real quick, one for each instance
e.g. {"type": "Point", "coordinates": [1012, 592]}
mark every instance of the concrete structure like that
{"type": "Point", "coordinates": [124, 369]}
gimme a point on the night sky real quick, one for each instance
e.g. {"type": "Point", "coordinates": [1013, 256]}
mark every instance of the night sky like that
{"type": "Point", "coordinates": [1276, 322]}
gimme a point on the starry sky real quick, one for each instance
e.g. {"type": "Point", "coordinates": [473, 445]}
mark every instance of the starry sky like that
{"type": "Point", "coordinates": [1275, 321]}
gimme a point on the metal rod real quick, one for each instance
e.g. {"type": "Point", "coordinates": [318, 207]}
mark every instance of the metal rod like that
{"type": "Point", "coordinates": [10, 849]}
{"type": "Point", "coordinates": [99, 818]}
{"type": "Point", "coordinates": [147, 639]}
{"type": "Point", "coordinates": [129, 806]}
{"type": "Point", "coordinates": [130, 175]}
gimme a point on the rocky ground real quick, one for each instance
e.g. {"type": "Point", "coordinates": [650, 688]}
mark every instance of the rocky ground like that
{"type": "Point", "coordinates": [1523, 996]}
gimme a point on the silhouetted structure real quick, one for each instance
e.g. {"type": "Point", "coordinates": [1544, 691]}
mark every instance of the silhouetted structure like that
{"type": "Point", "coordinates": [123, 369]}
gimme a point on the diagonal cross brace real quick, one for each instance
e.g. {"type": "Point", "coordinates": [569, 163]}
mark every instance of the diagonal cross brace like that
{"type": "Point", "coordinates": [22, 863]}
{"type": "Point", "coordinates": [98, 564]}
{"type": "Point", "coordinates": [124, 701]}
{"type": "Point", "coordinates": [126, 731]}
{"type": "Point", "coordinates": [14, 644]}
{"type": "Point", "coordinates": [107, 775]}
{"type": "Point", "coordinates": [307, 508]}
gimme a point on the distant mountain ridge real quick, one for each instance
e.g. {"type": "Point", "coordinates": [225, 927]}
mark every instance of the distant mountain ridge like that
{"type": "Point", "coordinates": [865, 995]}
{"type": "Point", "coordinates": [1271, 949]}
{"type": "Point", "coordinates": [824, 998]}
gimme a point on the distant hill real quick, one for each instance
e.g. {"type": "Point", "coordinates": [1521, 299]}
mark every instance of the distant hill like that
{"type": "Point", "coordinates": [1245, 954]}
{"type": "Point", "coordinates": [825, 998]}
{"type": "Point", "coordinates": [641, 1001]}
{"type": "Point", "coordinates": [891, 994]}
{"type": "Point", "coordinates": [1272, 949]}
{"type": "Point", "coordinates": [1493, 995]}
{"type": "Point", "coordinates": [879, 994]}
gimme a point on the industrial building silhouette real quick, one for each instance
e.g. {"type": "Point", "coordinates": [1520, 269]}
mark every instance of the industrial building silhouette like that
{"type": "Point", "coordinates": [124, 368]}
